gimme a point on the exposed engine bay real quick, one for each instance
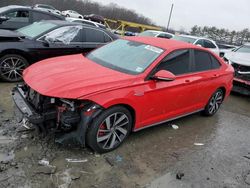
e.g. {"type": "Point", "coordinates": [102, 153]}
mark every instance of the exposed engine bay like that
{"type": "Point", "coordinates": [69, 119]}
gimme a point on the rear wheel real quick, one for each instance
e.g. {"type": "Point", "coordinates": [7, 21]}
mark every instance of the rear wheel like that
{"type": "Point", "coordinates": [109, 130]}
{"type": "Point", "coordinates": [11, 67]}
{"type": "Point", "coordinates": [214, 103]}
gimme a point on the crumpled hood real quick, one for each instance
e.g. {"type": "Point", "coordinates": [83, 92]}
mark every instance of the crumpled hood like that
{"type": "Point", "coordinates": [239, 58]}
{"type": "Point", "coordinates": [73, 77]}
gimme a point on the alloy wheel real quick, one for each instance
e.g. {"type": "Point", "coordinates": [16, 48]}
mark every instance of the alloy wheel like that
{"type": "Point", "coordinates": [12, 68]}
{"type": "Point", "coordinates": [215, 102]}
{"type": "Point", "coordinates": [113, 130]}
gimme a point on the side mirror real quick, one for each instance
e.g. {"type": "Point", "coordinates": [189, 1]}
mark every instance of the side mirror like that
{"type": "Point", "coordinates": [3, 19]}
{"type": "Point", "coordinates": [164, 75]}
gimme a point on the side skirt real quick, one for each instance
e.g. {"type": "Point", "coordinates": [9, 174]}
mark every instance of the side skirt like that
{"type": "Point", "coordinates": [167, 120]}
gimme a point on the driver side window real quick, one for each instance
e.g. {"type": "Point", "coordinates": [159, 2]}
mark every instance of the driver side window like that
{"type": "Point", "coordinates": [18, 16]}
{"type": "Point", "coordinates": [178, 62]}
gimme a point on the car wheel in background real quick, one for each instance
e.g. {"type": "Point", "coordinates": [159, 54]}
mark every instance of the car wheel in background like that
{"type": "Point", "coordinates": [67, 15]}
{"type": "Point", "coordinates": [110, 129]}
{"type": "Point", "coordinates": [214, 103]}
{"type": "Point", "coordinates": [11, 67]}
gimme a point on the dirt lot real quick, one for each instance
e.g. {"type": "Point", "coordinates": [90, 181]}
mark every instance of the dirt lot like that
{"type": "Point", "coordinates": [150, 158]}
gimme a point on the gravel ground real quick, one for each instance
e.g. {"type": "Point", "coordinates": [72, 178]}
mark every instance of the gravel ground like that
{"type": "Point", "coordinates": [203, 152]}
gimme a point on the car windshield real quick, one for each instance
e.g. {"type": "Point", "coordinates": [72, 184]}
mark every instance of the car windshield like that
{"type": "Point", "coordinates": [243, 49]}
{"type": "Point", "coordinates": [148, 33]}
{"type": "Point", "coordinates": [184, 39]}
{"type": "Point", "coordinates": [36, 29]}
{"type": "Point", "coordinates": [126, 56]}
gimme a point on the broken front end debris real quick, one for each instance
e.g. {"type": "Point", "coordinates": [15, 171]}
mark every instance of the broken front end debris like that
{"type": "Point", "coordinates": [68, 118]}
{"type": "Point", "coordinates": [241, 83]}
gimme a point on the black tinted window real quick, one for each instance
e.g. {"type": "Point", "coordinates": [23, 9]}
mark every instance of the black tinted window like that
{"type": "Point", "coordinates": [94, 35]}
{"type": "Point", "coordinates": [18, 16]}
{"type": "Point", "coordinates": [163, 35]}
{"type": "Point", "coordinates": [200, 42]}
{"type": "Point", "coordinates": [208, 44]}
{"type": "Point", "coordinates": [202, 61]}
{"type": "Point", "coordinates": [215, 63]}
{"type": "Point", "coordinates": [177, 62]}
{"type": "Point", "coordinates": [38, 16]}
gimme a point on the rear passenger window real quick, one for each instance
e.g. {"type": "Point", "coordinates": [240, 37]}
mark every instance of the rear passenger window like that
{"type": "Point", "coordinates": [202, 61]}
{"type": "Point", "coordinates": [208, 44]}
{"type": "Point", "coordinates": [94, 35]}
{"type": "Point", "coordinates": [38, 16]}
{"type": "Point", "coordinates": [177, 62]}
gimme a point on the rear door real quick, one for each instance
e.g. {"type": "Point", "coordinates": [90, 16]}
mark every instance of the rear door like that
{"type": "Point", "coordinates": [17, 18]}
{"type": "Point", "coordinates": [206, 69]}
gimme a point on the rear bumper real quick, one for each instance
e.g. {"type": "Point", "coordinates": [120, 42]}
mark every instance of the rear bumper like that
{"type": "Point", "coordinates": [27, 111]}
{"type": "Point", "coordinates": [241, 86]}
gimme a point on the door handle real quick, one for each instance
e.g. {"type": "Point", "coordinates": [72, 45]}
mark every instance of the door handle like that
{"type": "Point", "coordinates": [187, 81]}
{"type": "Point", "coordinates": [215, 75]}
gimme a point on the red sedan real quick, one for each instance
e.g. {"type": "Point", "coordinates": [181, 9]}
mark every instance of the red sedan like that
{"type": "Point", "coordinates": [128, 85]}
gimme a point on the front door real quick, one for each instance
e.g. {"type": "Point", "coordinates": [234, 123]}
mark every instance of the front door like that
{"type": "Point", "coordinates": [170, 99]}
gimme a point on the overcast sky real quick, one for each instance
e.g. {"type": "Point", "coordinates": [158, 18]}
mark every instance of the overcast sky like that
{"type": "Point", "coordinates": [230, 14]}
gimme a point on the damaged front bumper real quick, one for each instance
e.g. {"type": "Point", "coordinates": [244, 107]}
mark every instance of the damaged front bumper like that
{"type": "Point", "coordinates": [241, 86]}
{"type": "Point", "coordinates": [27, 111]}
{"type": "Point", "coordinates": [86, 112]}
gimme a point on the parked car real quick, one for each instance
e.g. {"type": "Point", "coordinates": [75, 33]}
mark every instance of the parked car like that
{"type": "Point", "coordinates": [47, 8]}
{"type": "Point", "coordinates": [41, 40]}
{"type": "Point", "coordinates": [72, 13]}
{"type": "Point", "coordinates": [95, 18]}
{"type": "Point", "coordinates": [240, 60]}
{"type": "Point", "coordinates": [154, 33]}
{"type": "Point", "coordinates": [87, 22]}
{"type": "Point", "coordinates": [127, 85]}
{"type": "Point", "coordinates": [14, 17]}
{"type": "Point", "coordinates": [200, 41]}
{"type": "Point", "coordinates": [225, 48]}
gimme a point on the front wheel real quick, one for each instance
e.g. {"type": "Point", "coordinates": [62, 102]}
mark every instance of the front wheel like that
{"type": "Point", "coordinates": [214, 103]}
{"type": "Point", "coordinates": [11, 67]}
{"type": "Point", "coordinates": [109, 130]}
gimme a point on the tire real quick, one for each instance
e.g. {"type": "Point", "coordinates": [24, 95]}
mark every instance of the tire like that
{"type": "Point", "coordinates": [214, 103]}
{"type": "Point", "coordinates": [103, 136]}
{"type": "Point", "coordinates": [80, 17]}
{"type": "Point", "coordinates": [67, 15]}
{"type": "Point", "coordinates": [11, 67]}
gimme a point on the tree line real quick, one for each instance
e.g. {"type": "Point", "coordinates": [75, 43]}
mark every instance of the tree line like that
{"type": "Point", "coordinates": [222, 35]}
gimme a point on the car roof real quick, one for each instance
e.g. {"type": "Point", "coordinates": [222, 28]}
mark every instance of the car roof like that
{"type": "Point", "coordinates": [16, 6]}
{"type": "Point", "coordinates": [60, 23]}
{"type": "Point", "coordinates": [6, 8]}
{"type": "Point", "coordinates": [162, 43]}
{"type": "Point", "coordinates": [195, 37]}
{"type": "Point", "coordinates": [156, 31]}
{"type": "Point", "coordinates": [80, 19]}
